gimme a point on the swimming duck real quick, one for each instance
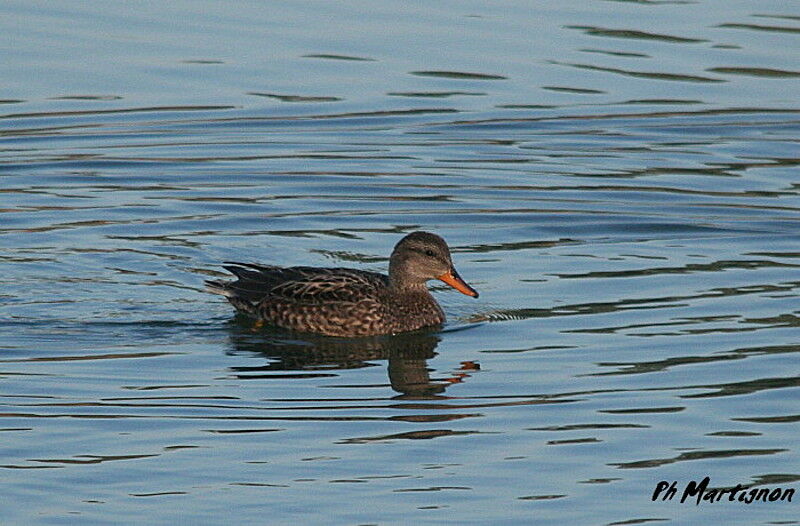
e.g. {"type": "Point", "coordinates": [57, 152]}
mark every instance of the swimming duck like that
{"type": "Point", "coordinates": [344, 301]}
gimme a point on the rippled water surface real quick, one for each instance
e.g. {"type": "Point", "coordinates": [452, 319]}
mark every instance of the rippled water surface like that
{"type": "Point", "coordinates": [618, 179]}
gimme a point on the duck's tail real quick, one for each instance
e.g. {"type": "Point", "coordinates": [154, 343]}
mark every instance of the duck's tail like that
{"type": "Point", "coordinates": [246, 292]}
{"type": "Point", "coordinates": [229, 289]}
{"type": "Point", "coordinates": [219, 287]}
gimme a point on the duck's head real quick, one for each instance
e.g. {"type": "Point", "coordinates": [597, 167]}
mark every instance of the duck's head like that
{"type": "Point", "coordinates": [421, 256]}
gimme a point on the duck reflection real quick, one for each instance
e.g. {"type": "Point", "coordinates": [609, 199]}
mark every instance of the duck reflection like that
{"type": "Point", "coordinates": [311, 355]}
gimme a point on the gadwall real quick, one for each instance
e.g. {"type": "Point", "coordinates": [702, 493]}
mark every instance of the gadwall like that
{"type": "Point", "coordinates": [345, 301]}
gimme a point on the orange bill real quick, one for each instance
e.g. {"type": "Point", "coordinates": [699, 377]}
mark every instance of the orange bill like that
{"type": "Point", "coordinates": [452, 278]}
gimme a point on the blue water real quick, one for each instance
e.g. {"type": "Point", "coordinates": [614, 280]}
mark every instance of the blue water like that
{"type": "Point", "coordinates": [617, 179]}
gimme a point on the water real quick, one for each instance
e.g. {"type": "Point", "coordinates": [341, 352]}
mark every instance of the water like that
{"type": "Point", "coordinates": [617, 179]}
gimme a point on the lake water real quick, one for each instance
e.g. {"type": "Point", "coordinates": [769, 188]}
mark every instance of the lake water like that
{"type": "Point", "coordinates": [618, 179]}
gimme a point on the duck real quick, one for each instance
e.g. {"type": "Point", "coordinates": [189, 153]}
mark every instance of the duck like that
{"type": "Point", "coordinates": [347, 302]}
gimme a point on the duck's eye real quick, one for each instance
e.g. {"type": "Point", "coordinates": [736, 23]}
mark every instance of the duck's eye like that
{"type": "Point", "coordinates": [429, 253]}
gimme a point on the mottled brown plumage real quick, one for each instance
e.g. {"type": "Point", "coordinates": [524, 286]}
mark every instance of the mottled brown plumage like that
{"type": "Point", "coordinates": [344, 301]}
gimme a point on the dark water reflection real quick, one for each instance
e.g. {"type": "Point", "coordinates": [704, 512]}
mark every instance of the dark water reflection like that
{"type": "Point", "coordinates": [289, 357]}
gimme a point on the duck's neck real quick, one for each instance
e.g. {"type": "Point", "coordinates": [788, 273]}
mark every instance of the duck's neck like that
{"type": "Point", "coordinates": [413, 305]}
{"type": "Point", "coordinates": [401, 278]}
{"type": "Point", "coordinates": [404, 286]}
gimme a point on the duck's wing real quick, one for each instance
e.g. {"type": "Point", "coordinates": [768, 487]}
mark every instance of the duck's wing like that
{"type": "Point", "coordinates": [299, 284]}
{"type": "Point", "coordinates": [328, 285]}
